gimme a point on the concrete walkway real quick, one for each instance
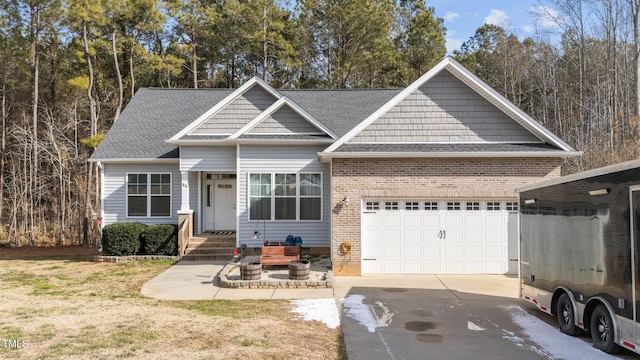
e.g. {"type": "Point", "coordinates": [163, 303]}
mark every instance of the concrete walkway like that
{"type": "Point", "coordinates": [195, 280]}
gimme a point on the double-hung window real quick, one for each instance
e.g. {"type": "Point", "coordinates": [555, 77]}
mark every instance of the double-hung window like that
{"type": "Point", "coordinates": [149, 195]}
{"type": "Point", "coordinates": [285, 196]}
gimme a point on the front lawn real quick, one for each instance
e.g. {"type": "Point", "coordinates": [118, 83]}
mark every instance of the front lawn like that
{"type": "Point", "coordinates": [57, 307]}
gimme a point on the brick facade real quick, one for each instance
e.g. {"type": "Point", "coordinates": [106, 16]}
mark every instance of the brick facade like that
{"type": "Point", "coordinates": [420, 178]}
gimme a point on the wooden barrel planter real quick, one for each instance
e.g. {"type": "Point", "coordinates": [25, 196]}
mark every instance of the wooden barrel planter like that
{"type": "Point", "coordinates": [250, 271]}
{"type": "Point", "coordinates": [299, 269]}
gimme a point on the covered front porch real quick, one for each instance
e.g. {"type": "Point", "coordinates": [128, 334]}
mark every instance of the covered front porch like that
{"type": "Point", "coordinates": [207, 219]}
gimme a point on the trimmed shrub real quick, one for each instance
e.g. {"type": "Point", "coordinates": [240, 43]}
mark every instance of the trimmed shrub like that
{"type": "Point", "coordinates": [121, 239]}
{"type": "Point", "coordinates": [161, 239]}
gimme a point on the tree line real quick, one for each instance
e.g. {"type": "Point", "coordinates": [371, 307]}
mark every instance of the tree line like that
{"type": "Point", "coordinates": [69, 67]}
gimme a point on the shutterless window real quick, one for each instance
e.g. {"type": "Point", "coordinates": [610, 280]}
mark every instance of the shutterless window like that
{"type": "Point", "coordinates": [453, 205]}
{"type": "Point", "coordinates": [493, 206]}
{"type": "Point", "coordinates": [431, 205]}
{"type": "Point", "coordinates": [285, 196]}
{"type": "Point", "coordinates": [310, 196]}
{"type": "Point", "coordinates": [391, 205]}
{"type": "Point", "coordinates": [260, 196]}
{"type": "Point", "coordinates": [412, 205]}
{"type": "Point", "coordinates": [372, 205]}
{"type": "Point", "coordinates": [512, 206]}
{"type": "Point", "coordinates": [148, 195]}
{"type": "Point", "coordinates": [473, 206]}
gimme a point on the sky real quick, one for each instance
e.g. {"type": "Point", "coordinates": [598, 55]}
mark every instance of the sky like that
{"type": "Point", "coordinates": [463, 17]}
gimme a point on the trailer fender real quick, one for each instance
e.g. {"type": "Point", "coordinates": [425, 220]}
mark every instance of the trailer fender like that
{"type": "Point", "coordinates": [588, 310]}
{"type": "Point", "coordinates": [554, 305]}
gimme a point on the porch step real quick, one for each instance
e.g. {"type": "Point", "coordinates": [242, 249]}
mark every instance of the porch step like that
{"type": "Point", "coordinates": [210, 248]}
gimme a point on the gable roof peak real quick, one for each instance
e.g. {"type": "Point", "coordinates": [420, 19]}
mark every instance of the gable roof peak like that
{"type": "Point", "coordinates": [251, 83]}
{"type": "Point", "coordinates": [476, 84]}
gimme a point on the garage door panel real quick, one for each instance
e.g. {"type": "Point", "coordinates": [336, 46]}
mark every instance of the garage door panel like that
{"type": "Point", "coordinates": [472, 252]}
{"type": "Point", "coordinates": [452, 251]}
{"type": "Point", "coordinates": [495, 236]}
{"type": "Point", "coordinates": [392, 220]}
{"type": "Point", "coordinates": [391, 251]}
{"type": "Point", "coordinates": [473, 266]}
{"type": "Point", "coordinates": [454, 235]}
{"type": "Point", "coordinates": [474, 220]}
{"type": "Point", "coordinates": [494, 220]}
{"type": "Point", "coordinates": [412, 236]}
{"type": "Point", "coordinates": [472, 236]}
{"type": "Point", "coordinates": [432, 220]}
{"type": "Point", "coordinates": [431, 251]}
{"type": "Point", "coordinates": [454, 266]}
{"type": "Point", "coordinates": [435, 237]}
{"type": "Point", "coordinates": [495, 251]}
{"type": "Point", "coordinates": [412, 220]}
{"type": "Point", "coordinates": [453, 220]}
{"type": "Point", "coordinates": [413, 266]}
{"type": "Point", "coordinates": [431, 236]}
{"type": "Point", "coordinates": [391, 236]}
{"type": "Point", "coordinates": [393, 266]}
{"type": "Point", "coordinates": [432, 267]}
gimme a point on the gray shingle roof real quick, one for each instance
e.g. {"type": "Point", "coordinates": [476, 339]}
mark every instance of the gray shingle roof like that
{"type": "Point", "coordinates": [154, 115]}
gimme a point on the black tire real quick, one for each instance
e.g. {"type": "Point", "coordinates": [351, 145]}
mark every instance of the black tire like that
{"type": "Point", "coordinates": [567, 316]}
{"type": "Point", "coordinates": [603, 331]}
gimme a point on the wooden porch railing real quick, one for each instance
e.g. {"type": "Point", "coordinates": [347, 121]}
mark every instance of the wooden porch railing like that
{"type": "Point", "coordinates": [185, 231]}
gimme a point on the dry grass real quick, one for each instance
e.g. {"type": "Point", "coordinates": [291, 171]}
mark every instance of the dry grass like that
{"type": "Point", "coordinates": [77, 309]}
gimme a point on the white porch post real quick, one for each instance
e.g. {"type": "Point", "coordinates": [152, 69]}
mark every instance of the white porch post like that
{"type": "Point", "coordinates": [185, 216]}
{"type": "Point", "coordinates": [184, 206]}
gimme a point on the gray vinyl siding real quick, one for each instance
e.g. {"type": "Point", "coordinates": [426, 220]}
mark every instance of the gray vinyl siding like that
{"type": "Point", "coordinates": [284, 121]}
{"type": "Point", "coordinates": [445, 109]}
{"type": "Point", "coordinates": [282, 159]}
{"type": "Point", "coordinates": [115, 192]}
{"type": "Point", "coordinates": [237, 113]}
{"type": "Point", "coordinates": [208, 158]}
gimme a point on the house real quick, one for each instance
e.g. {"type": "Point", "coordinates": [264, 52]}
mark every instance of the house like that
{"type": "Point", "coordinates": [402, 181]}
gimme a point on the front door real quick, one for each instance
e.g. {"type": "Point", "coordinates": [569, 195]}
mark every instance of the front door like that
{"type": "Point", "coordinates": [224, 205]}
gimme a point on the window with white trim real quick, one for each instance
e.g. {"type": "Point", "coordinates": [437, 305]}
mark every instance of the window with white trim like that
{"type": "Point", "coordinates": [431, 205]}
{"type": "Point", "coordinates": [493, 206]}
{"type": "Point", "coordinates": [285, 196]}
{"type": "Point", "coordinates": [260, 196]}
{"type": "Point", "coordinates": [311, 196]}
{"type": "Point", "coordinates": [472, 206]}
{"type": "Point", "coordinates": [412, 205]}
{"type": "Point", "coordinates": [391, 205]}
{"type": "Point", "coordinates": [372, 205]}
{"type": "Point", "coordinates": [149, 195]}
{"type": "Point", "coordinates": [454, 205]}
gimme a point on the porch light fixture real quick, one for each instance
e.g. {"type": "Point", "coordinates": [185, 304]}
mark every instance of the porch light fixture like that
{"type": "Point", "coordinates": [346, 201]}
{"type": "Point", "coordinates": [530, 201]}
{"type": "Point", "coordinates": [599, 192]}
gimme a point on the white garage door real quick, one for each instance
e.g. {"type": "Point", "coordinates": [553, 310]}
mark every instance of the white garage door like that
{"type": "Point", "coordinates": [439, 237]}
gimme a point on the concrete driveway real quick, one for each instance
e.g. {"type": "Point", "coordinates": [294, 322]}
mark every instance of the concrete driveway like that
{"type": "Point", "coordinates": [430, 317]}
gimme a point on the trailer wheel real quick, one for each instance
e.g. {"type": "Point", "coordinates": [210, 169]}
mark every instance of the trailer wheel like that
{"type": "Point", "coordinates": [566, 316]}
{"type": "Point", "coordinates": [602, 330]}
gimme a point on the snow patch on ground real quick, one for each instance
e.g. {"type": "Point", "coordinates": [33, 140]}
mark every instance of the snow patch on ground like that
{"type": "Point", "coordinates": [355, 308]}
{"type": "Point", "coordinates": [323, 310]}
{"type": "Point", "coordinates": [473, 327]}
{"type": "Point", "coordinates": [556, 345]}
